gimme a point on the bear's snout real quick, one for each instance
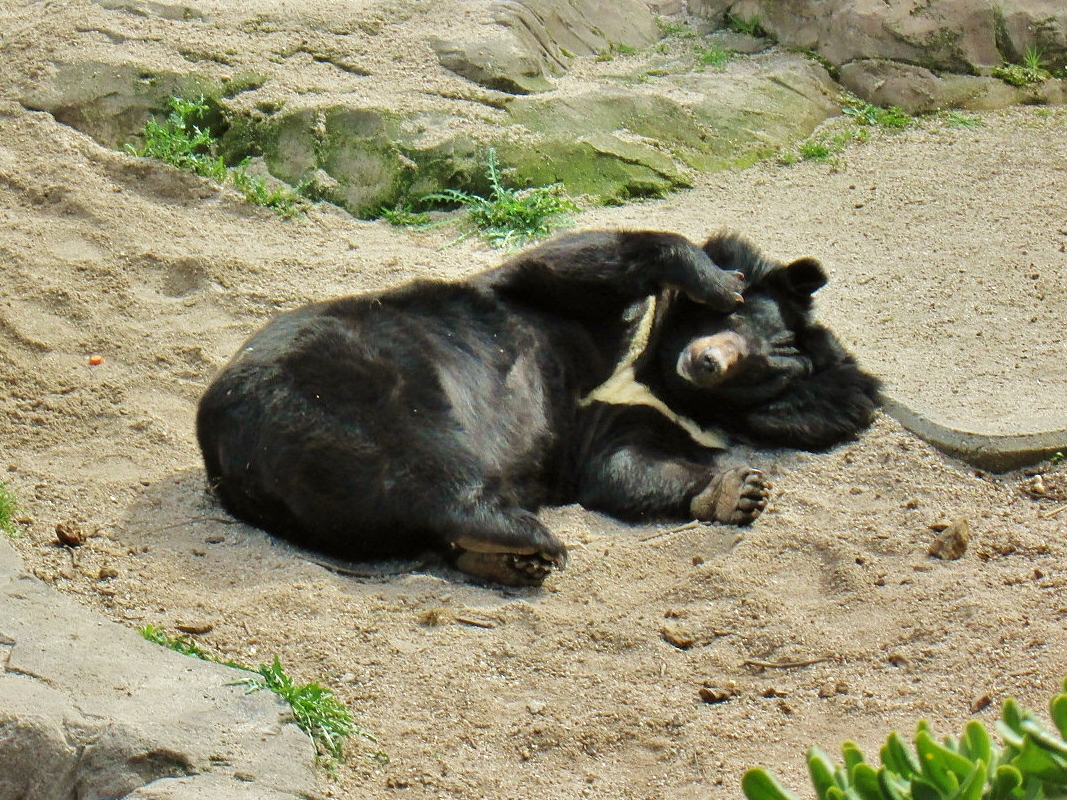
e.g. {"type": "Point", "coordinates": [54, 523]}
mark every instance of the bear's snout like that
{"type": "Point", "coordinates": [708, 361]}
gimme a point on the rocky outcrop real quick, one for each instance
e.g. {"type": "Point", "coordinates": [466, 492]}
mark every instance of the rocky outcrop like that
{"type": "Point", "coordinates": [913, 54]}
{"type": "Point", "coordinates": [529, 41]}
{"type": "Point", "coordinates": [127, 718]}
{"type": "Point", "coordinates": [508, 81]}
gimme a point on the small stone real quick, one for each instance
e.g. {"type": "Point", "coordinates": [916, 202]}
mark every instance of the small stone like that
{"type": "Point", "coordinates": [952, 542]}
{"type": "Point", "coordinates": [70, 534]}
{"type": "Point", "coordinates": [198, 627]}
{"type": "Point", "coordinates": [680, 639]}
{"type": "Point", "coordinates": [107, 573]}
{"type": "Point", "coordinates": [215, 538]}
{"type": "Point", "coordinates": [897, 659]}
{"type": "Point", "coordinates": [980, 703]}
{"type": "Point", "coordinates": [536, 706]}
{"type": "Point", "coordinates": [712, 695]}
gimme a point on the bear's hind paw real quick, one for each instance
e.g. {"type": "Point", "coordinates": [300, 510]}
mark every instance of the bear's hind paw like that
{"type": "Point", "coordinates": [735, 497]}
{"type": "Point", "coordinates": [509, 569]}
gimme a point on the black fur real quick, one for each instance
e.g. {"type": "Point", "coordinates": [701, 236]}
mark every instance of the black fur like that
{"type": "Point", "coordinates": [798, 387]}
{"type": "Point", "coordinates": [441, 416]}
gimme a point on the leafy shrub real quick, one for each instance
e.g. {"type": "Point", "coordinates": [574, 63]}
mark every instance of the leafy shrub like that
{"type": "Point", "coordinates": [1030, 764]}
{"type": "Point", "coordinates": [178, 141]}
{"type": "Point", "coordinates": [510, 217]}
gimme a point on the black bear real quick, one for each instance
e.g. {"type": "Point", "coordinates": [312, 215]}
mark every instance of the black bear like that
{"type": "Point", "coordinates": [604, 368]}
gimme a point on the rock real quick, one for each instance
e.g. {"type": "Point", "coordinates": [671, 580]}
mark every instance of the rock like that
{"type": "Point", "coordinates": [529, 40]}
{"type": "Point", "coordinates": [618, 143]}
{"type": "Point", "coordinates": [925, 41]}
{"type": "Point", "coordinates": [714, 695]}
{"type": "Point", "coordinates": [70, 534]}
{"type": "Point", "coordinates": [952, 542]}
{"type": "Point", "coordinates": [919, 91]}
{"type": "Point", "coordinates": [497, 61]}
{"type": "Point", "coordinates": [683, 640]}
{"type": "Point", "coordinates": [127, 716]}
{"type": "Point", "coordinates": [111, 103]}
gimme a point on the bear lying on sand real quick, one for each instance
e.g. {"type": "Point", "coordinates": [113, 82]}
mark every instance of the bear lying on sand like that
{"type": "Point", "coordinates": [604, 368]}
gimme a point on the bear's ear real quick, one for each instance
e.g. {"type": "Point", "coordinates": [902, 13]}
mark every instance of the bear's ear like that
{"type": "Point", "coordinates": [805, 276]}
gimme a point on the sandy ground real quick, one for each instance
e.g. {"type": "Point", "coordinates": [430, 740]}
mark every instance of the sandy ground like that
{"type": "Point", "coordinates": [946, 250]}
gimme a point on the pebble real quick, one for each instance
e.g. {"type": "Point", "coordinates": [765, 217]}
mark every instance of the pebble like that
{"type": "Point", "coordinates": [952, 542]}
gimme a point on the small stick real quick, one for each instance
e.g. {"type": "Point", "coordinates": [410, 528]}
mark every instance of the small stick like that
{"type": "Point", "coordinates": [751, 662]}
{"type": "Point", "coordinates": [687, 527]}
{"type": "Point", "coordinates": [1053, 512]}
{"type": "Point", "coordinates": [477, 623]}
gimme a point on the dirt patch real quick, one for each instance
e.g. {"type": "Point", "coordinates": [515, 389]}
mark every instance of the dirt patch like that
{"type": "Point", "coordinates": [642, 670]}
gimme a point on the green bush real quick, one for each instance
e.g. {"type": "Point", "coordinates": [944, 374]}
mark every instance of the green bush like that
{"type": "Point", "coordinates": [180, 142]}
{"type": "Point", "coordinates": [509, 217]}
{"type": "Point", "coordinates": [1029, 764]}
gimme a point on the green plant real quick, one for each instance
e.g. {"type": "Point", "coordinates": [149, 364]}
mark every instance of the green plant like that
{"type": "Point", "coordinates": [8, 508]}
{"type": "Point", "coordinates": [824, 145]}
{"type": "Point", "coordinates": [1032, 70]}
{"type": "Point", "coordinates": [814, 150]}
{"type": "Point", "coordinates": [1057, 458]}
{"type": "Point", "coordinates": [957, 119]}
{"type": "Point", "coordinates": [324, 718]}
{"type": "Point", "coordinates": [1030, 764]}
{"type": "Point", "coordinates": [715, 56]}
{"type": "Point", "coordinates": [870, 114]}
{"type": "Point", "coordinates": [183, 645]}
{"type": "Point", "coordinates": [403, 216]}
{"type": "Point", "coordinates": [750, 26]}
{"type": "Point", "coordinates": [510, 217]}
{"type": "Point", "coordinates": [671, 27]}
{"type": "Point", "coordinates": [318, 713]}
{"type": "Point", "coordinates": [284, 200]}
{"type": "Point", "coordinates": [180, 142]}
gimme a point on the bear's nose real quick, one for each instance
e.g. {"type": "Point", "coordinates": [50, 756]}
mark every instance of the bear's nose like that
{"type": "Point", "coordinates": [710, 362]}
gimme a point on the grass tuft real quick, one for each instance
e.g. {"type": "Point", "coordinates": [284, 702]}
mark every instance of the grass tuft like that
{"type": "Point", "coordinates": [9, 507]}
{"type": "Point", "coordinates": [957, 119]}
{"type": "Point", "coordinates": [1032, 70]}
{"type": "Point", "coordinates": [750, 26]}
{"type": "Point", "coordinates": [715, 56]}
{"type": "Point", "coordinates": [509, 218]}
{"type": "Point", "coordinates": [893, 117]}
{"type": "Point", "coordinates": [180, 142]}
{"type": "Point", "coordinates": [316, 711]}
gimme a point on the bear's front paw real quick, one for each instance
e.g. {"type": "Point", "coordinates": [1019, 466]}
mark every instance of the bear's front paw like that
{"type": "Point", "coordinates": [510, 569]}
{"type": "Point", "coordinates": [735, 497]}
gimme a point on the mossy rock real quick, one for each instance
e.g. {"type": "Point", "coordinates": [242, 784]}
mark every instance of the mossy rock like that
{"type": "Point", "coordinates": [112, 103]}
{"type": "Point", "coordinates": [366, 159]}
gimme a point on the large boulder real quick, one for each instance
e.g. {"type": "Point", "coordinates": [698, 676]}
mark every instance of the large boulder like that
{"type": "Point", "coordinates": [127, 718]}
{"type": "Point", "coordinates": [527, 41]}
{"type": "Point", "coordinates": [913, 44]}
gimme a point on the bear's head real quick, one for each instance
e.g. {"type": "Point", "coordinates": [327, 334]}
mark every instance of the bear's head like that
{"type": "Point", "coordinates": [767, 372]}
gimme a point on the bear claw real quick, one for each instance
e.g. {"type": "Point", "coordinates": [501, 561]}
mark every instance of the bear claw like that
{"type": "Point", "coordinates": [735, 497]}
{"type": "Point", "coordinates": [509, 569]}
